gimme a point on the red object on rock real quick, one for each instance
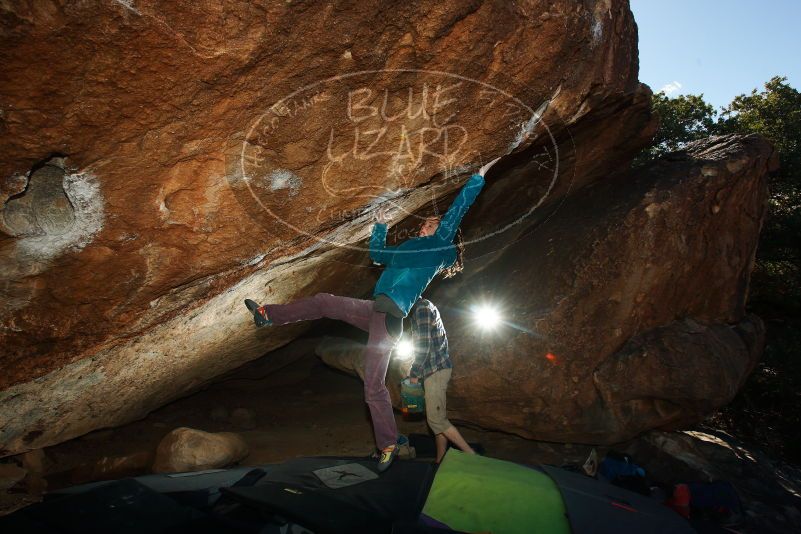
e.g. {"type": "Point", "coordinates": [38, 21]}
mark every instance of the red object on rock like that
{"type": "Point", "coordinates": [680, 502]}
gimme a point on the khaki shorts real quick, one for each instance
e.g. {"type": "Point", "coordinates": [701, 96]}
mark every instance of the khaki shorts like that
{"type": "Point", "coordinates": [435, 386]}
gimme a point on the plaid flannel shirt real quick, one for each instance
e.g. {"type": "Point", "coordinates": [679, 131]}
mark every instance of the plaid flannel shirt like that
{"type": "Point", "coordinates": [430, 341]}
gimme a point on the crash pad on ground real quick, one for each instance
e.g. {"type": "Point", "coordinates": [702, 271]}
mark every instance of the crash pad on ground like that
{"type": "Point", "coordinates": [474, 493]}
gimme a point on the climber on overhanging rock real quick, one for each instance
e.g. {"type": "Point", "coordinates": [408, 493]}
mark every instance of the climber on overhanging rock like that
{"type": "Point", "coordinates": [410, 267]}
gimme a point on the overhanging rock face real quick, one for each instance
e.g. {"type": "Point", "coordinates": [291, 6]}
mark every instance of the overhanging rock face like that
{"type": "Point", "coordinates": [211, 152]}
{"type": "Point", "coordinates": [626, 307]}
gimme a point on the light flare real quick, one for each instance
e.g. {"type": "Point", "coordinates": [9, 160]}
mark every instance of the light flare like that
{"type": "Point", "coordinates": [487, 317]}
{"type": "Point", "coordinates": [404, 350]}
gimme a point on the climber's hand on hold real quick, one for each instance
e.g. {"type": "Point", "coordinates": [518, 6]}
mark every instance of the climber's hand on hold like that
{"type": "Point", "coordinates": [381, 215]}
{"type": "Point", "coordinates": [483, 170]}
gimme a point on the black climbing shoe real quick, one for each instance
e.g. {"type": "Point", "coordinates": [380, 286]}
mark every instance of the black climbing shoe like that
{"type": "Point", "coordinates": [259, 313]}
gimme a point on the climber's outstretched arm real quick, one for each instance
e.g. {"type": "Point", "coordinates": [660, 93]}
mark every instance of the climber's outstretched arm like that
{"type": "Point", "coordinates": [450, 222]}
{"type": "Point", "coordinates": [379, 251]}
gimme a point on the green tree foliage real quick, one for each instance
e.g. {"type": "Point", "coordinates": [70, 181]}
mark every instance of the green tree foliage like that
{"type": "Point", "coordinates": [681, 120]}
{"type": "Point", "coordinates": [774, 113]}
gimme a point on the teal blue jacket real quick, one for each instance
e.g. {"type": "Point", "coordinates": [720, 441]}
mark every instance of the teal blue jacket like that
{"type": "Point", "coordinates": [412, 265]}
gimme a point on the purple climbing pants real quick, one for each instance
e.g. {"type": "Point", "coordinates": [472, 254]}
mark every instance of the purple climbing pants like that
{"type": "Point", "coordinates": [380, 343]}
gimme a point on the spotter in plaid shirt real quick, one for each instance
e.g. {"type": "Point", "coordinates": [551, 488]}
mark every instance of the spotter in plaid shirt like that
{"type": "Point", "coordinates": [430, 341]}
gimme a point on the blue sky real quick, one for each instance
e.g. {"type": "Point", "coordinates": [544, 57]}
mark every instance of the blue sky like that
{"type": "Point", "coordinates": [721, 48]}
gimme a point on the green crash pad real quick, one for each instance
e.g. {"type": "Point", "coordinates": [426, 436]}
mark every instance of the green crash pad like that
{"type": "Point", "coordinates": [474, 493]}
